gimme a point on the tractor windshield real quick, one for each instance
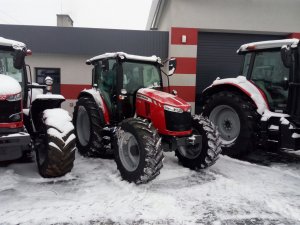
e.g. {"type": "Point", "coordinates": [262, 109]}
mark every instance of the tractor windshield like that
{"type": "Point", "coordinates": [271, 76]}
{"type": "Point", "coordinates": [7, 66]}
{"type": "Point", "coordinates": [139, 75]}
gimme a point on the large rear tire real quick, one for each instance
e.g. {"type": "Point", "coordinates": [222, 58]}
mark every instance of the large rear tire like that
{"type": "Point", "coordinates": [201, 156]}
{"type": "Point", "coordinates": [236, 120]}
{"type": "Point", "coordinates": [89, 122]}
{"type": "Point", "coordinates": [55, 153]}
{"type": "Point", "coordinates": [138, 151]}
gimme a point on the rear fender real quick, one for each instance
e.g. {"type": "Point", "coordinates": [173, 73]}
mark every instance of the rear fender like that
{"type": "Point", "coordinates": [95, 94]}
{"type": "Point", "coordinates": [40, 104]}
{"type": "Point", "coordinates": [242, 85]}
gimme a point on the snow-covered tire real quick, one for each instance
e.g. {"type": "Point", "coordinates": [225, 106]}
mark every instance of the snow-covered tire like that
{"type": "Point", "coordinates": [205, 155]}
{"type": "Point", "coordinates": [89, 122]}
{"type": "Point", "coordinates": [233, 113]}
{"type": "Point", "coordinates": [55, 154]}
{"type": "Point", "coordinates": [138, 151]}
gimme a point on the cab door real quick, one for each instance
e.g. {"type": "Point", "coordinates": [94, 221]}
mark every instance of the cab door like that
{"type": "Point", "coordinates": [105, 79]}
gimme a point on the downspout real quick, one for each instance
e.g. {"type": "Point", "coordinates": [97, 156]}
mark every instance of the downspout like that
{"type": "Point", "coordinates": [157, 14]}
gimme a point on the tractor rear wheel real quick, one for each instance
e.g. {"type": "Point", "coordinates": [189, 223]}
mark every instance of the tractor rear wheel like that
{"type": "Point", "coordinates": [236, 120]}
{"type": "Point", "coordinates": [89, 122]}
{"type": "Point", "coordinates": [55, 151]}
{"type": "Point", "coordinates": [200, 156]}
{"type": "Point", "coordinates": [138, 151]}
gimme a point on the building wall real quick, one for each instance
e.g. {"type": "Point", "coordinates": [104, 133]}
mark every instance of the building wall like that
{"type": "Point", "coordinates": [235, 15]}
{"type": "Point", "coordinates": [188, 18]}
{"type": "Point", "coordinates": [67, 48]}
{"type": "Point", "coordinates": [75, 74]}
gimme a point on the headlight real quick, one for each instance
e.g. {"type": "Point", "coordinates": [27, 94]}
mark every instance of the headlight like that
{"type": "Point", "coordinates": [173, 109]}
{"type": "Point", "coordinates": [15, 97]}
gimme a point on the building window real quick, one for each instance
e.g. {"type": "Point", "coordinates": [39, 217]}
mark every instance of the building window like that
{"type": "Point", "coordinates": [54, 73]}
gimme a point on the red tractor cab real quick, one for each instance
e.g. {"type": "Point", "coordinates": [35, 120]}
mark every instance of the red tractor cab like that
{"type": "Point", "coordinates": [127, 114]}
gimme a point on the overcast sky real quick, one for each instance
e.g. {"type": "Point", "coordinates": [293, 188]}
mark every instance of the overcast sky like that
{"type": "Point", "coordinates": [117, 14]}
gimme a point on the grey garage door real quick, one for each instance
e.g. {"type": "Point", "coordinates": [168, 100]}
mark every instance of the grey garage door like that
{"type": "Point", "coordinates": [216, 57]}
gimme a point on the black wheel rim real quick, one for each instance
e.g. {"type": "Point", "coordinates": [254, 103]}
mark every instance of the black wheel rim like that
{"type": "Point", "coordinates": [83, 126]}
{"type": "Point", "coordinates": [191, 151]}
{"type": "Point", "coordinates": [227, 121]}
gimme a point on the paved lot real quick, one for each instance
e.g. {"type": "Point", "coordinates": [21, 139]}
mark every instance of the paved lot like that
{"type": "Point", "coordinates": [265, 189]}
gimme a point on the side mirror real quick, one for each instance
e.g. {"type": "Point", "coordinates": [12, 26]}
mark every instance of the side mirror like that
{"type": "Point", "coordinates": [286, 56]}
{"type": "Point", "coordinates": [172, 66]}
{"type": "Point", "coordinates": [19, 56]}
{"type": "Point", "coordinates": [105, 65]}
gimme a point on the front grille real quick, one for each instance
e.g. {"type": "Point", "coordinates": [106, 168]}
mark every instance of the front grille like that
{"type": "Point", "coordinates": [7, 109]}
{"type": "Point", "coordinates": [178, 121]}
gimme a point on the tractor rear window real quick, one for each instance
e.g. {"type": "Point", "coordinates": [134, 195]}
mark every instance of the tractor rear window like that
{"type": "Point", "coordinates": [139, 75]}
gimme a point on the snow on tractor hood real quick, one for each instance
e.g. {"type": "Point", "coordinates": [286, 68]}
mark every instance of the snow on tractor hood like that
{"type": "Point", "coordinates": [9, 85]}
{"type": "Point", "coordinates": [162, 98]}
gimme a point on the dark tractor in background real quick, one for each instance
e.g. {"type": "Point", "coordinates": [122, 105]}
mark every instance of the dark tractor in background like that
{"type": "Point", "coordinates": [262, 106]}
{"type": "Point", "coordinates": [127, 114]}
{"type": "Point", "coordinates": [31, 121]}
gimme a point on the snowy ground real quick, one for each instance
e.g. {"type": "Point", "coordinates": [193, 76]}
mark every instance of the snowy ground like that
{"type": "Point", "coordinates": [230, 192]}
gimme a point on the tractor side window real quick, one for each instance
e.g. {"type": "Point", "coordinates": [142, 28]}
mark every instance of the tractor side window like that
{"type": "Point", "coordinates": [106, 80]}
{"type": "Point", "coordinates": [247, 59]}
{"type": "Point", "coordinates": [271, 76]}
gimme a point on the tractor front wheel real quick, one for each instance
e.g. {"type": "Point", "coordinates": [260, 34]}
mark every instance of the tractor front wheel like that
{"type": "Point", "coordinates": [138, 151]}
{"type": "Point", "coordinates": [55, 147]}
{"type": "Point", "coordinates": [200, 156]}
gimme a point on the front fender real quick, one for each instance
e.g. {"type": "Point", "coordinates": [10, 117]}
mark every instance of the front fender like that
{"type": "Point", "coordinates": [243, 85]}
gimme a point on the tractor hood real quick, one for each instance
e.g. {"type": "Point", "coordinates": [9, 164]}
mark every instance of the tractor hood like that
{"type": "Point", "coordinates": [9, 85]}
{"type": "Point", "coordinates": [162, 98]}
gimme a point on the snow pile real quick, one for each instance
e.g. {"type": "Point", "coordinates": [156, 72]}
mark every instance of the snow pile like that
{"type": "Point", "coordinates": [8, 85]}
{"type": "Point", "coordinates": [124, 55]}
{"type": "Point", "coordinates": [269, 44]}
{"type": "Point", "coordinates": [58, 118]}
{"type": "Point", "coordinates": [267, 114]}
{"type": "Point", "coordinates": [49, 96]}
{"type": "Point", "coordinates": [230, 192]}
{"type": "Point", "coordinates": [12, 43]}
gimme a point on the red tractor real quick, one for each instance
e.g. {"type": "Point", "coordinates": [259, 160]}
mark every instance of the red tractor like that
{"type": "Point", "coordinates": [127, 114]}
{"type": "Point", "coordinates": [261, 107]}
{"type": "Point", "coordinates": [31, 121]}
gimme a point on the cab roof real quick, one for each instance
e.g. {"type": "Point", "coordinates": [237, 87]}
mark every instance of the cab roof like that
{"type": "Point", "coordinates": [123, 55]}
{"type": "Point", "coordinates": [11, 43]}
{"type": "Point", "coordinates": [268, 45]}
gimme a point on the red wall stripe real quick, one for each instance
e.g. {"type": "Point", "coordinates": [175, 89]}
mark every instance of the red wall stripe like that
{"type": "Point", "coordinates": [71, 91]}
{"type": "Point", "coordinates": [191, 36]}
{"type": "Point", "coordinates": [186, 65]}
{"type": "Point", "coordinates": [187, 93]}
{"type": "Point", "coordinates": [294, 35]}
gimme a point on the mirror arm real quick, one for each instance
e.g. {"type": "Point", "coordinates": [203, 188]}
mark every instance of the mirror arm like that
{"type": "Point", "coordinates": [168, 79]}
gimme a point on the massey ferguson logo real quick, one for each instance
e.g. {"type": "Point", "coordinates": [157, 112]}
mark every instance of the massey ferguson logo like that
{"type": "Point", "coordinates": [2, 97]}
